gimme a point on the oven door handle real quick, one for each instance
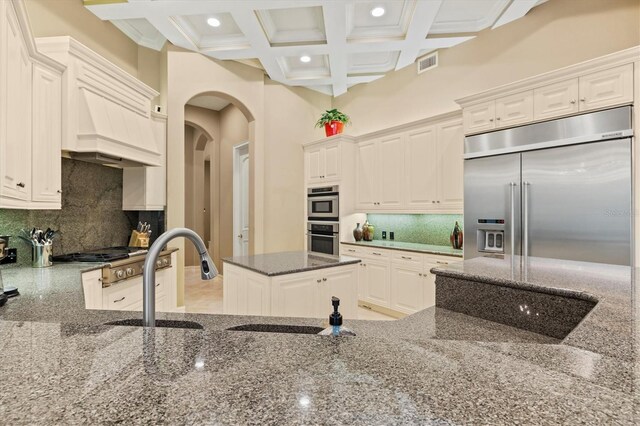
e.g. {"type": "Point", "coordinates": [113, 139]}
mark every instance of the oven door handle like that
{"type": "Point", "coordinates": [321, 235]}
{"type": "Point", "coordinates": [324, 198]}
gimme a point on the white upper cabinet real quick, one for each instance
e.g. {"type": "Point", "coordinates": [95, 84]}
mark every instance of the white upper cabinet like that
{"type": "Point", "coordinates": [420, 169]}
{"type": "Point", "coordinates": [502, 112]}
{"type": "Point", "coordinates": [421, 164]}
{"type": "Point", "coordinates": [391, 170]}
{"type": "Point", "coordinates": [145, 188]}
{"type": "Point", "coordinates": [479, 118]}
{"type": "Point", "coordinates": [555, 100]}
{"type": "Point", "coordinates": [30, 121]}
{"type": "Point", "coordinates": [606, 88]}
{"type": "Point", "coordinates": [515, 109]}
{"type": "Point", "coordinates": [47, 136]}
{"type": "Point", "coordinates": [367, 175]}
{"type": "Point", "coordinates": [595, 84]}
{"type": "Point", "coordinates": [323, 162]}
{"type": "Point", "coordinates": [450, 165]}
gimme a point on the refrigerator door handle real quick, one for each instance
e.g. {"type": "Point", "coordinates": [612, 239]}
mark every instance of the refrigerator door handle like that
{"type": "Point", "coordinates": [512, 188]}
{"type": "Point", "coordinates": [525, 220]}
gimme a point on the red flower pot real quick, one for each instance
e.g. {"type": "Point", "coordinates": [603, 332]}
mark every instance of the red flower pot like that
{"type": "Point", "coordinates": [333, 128]}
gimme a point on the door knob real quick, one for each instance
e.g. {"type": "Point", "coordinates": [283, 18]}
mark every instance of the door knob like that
{"type": "Point", "coordinates": [239, 235]}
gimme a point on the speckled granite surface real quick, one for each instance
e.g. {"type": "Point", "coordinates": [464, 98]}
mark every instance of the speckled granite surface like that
{"type": "Point", "coordinates": [414, 247]}
{"type": "Point", "coordinates": [273, 264]}
{"type": "Point", "coordinates": [62, 366]}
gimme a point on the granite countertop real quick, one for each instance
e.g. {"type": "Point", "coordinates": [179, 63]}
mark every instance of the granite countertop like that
{"type": "Point", "coordinates": [273, 264]}
{"type": "Point", "coordinates": [62, 365]}
{"type": "Point", "coordinates": [414, 247]}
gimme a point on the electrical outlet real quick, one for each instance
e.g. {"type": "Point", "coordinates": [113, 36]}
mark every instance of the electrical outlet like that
{"type": "Point", "coordinates": [384, 235]}
{"type": "Point", "coordinates": [391, 236]}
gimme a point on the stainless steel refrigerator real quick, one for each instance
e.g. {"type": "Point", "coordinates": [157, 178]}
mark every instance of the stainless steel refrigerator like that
{"type": "Point", "coordinates": [558, 189]}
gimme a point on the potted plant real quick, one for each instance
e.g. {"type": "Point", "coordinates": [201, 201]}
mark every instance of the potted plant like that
{"type": "Point", "coordinates": [333, 121]}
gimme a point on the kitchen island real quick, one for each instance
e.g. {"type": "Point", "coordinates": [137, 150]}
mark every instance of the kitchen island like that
{"type": "Point", "coordinates": [290, 284]}
{"type": "Point", "coordinates": [63, 365]}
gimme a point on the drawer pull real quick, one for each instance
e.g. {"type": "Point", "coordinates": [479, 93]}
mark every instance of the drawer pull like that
{"type": "Point", "coordinates": [318, 281]}
{"type": "Point", "coordinates": [420, 274]}
{"type": "Point", "coordinates": [441, 263]}
{"type": "Point", "coordinates": [351, 250]}
{"type": "Point", "coordinates": [377, 254]}
{"type": "Point", "coordinates": [120, 300]}
{"type": "Point", "coordinates": [158, 285]}
{"type": "Point", "coordinates": [324, 279]}
{"type": "Point", "coordinates": [20, 185]}
{"type": "Point", "coordinates": [407, 257]}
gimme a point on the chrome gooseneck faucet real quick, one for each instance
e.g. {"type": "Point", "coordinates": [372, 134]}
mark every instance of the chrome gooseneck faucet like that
{"type": "Point", "coordinates": [207, 268]}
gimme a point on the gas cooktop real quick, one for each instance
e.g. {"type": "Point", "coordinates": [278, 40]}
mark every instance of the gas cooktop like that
{"type": "Point", "coordinates": [106, 254]}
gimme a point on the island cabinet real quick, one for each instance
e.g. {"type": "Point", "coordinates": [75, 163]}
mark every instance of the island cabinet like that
{"type": "Point", "coordinates": [303, 294]}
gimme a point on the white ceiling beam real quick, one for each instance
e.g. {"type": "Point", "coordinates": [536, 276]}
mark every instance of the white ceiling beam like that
{"type": "Point", "coordinates": [249, 24]}
{"type": "Point", "coordinates": [423, 16]}
{"type": "Point", "coordinates": [516, 10]}
{"type": "Point", "coordinates": [172, 32]}
{"type": "Point", "coordinates": [335, 23]}
{"type": "Point", "coordinates": [143, 8]}
{"type": "Point", "coordinates": [443, 42]}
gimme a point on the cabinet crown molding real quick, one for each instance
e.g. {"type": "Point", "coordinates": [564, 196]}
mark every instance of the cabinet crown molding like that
{"type": "Point", "coordinates": [572, 71]}
{"type": "Point", "coordinates": [62, 47]}
{"type": "Point", "coordinates": [336, 138]}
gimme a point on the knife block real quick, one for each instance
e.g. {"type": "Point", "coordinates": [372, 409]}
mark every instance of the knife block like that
{"type": "Point", "coordinates": [139, 239]}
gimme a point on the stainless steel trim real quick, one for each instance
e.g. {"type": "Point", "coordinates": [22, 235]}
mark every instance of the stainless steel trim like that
{"type": "Point", "coordinates": [525, 220]}
{"type": "Point", "coordinates": [513, 217]}
{"type": "Point", "coordinates": [609, 124]}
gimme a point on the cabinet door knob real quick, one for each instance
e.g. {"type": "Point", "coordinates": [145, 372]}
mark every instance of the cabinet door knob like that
{"type": "Point", "coordinates": [420, 274]}
{"type": "Point", "coordinates": [582, 99]}
{"type": "Point", "coordinates": [324, 279]}
{"type": "Point", "coordinates": [433, 202]}
{"type": "Point", "coordinates": [438, 201]}
{"type": "Point", "coordinates": [319, 281]}
{"type": "Point", "coordinates": [59, 191]}
{"type": "Point", "coordinates": [573, 101]}
{"type": "Point", "coordinates": [20, 185]}
{"type": "Point", "coordinates": [491, 119]}
{"type": "Point", "coordinates": [497, 118]}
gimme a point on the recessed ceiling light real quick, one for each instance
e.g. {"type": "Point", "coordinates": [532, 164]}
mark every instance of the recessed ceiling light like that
{"type": "Point", "coordinates": [213, 22]}
{"type": "Point", "coordinates": [377, 12]}
{"type": "Point", "coordinates": [305, 58]}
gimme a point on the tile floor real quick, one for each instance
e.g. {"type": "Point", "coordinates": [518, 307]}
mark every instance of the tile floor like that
{"type": "Point", "coordinates": [205, 297]}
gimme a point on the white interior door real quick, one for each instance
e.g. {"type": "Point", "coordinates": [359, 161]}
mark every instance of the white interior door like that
{"type": "Point", "coordinates": [241, 200]}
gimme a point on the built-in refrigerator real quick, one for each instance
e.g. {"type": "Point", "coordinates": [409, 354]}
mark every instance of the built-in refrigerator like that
{"type": "Point", "coordinates": [558, 189]}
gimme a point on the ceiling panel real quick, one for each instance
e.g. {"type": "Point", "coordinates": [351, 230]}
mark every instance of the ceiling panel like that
{"type": "Point", "coordinates": [345, 43]}
{"type": "Point", "coordinates": [293, 25]}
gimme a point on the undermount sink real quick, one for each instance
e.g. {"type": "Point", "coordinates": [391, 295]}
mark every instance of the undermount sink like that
{"type": "Point", "coordinates": [277, 328]}
{"type": "Point", "coordinates": [137, 322]}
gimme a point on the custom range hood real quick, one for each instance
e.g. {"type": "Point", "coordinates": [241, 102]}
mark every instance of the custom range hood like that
{"type": "Point", "coordinates": [106, 111]}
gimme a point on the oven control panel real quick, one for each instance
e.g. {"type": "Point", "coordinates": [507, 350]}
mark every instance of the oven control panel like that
{"type": "Point", "coordinates": [130, 268]}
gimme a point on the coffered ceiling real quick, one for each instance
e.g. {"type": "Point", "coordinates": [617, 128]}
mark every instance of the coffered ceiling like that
{"type": "Point", "coordinates": [325, 45]}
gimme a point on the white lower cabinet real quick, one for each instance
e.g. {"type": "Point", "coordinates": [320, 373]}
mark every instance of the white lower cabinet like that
{"type": "Point", "coordinates": [396, 280]}
{"type": "Point", "coordinates": [127, 295]}
{"type": "Point", "coordinates": [305, 294]}
{"type": "Point", "coordinates": [407, 292]}
{"type": "Point", "coordinates": [374, 282]}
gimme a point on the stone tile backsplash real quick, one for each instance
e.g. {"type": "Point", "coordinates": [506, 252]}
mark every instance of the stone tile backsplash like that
{"type": "Point", "coordinates": [416, 228]}
{"type": "Point", "coordinates": [91, 215]}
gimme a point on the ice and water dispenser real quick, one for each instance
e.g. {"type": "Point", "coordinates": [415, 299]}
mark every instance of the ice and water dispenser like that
{"type": "Point", "coordinates": [491, 235]}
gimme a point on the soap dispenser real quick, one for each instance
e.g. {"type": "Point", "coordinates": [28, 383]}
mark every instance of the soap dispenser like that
{"type": "Point", "coordinates": [335, 322]}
